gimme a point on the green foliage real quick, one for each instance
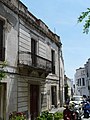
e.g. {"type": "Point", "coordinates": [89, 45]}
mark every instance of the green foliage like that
{"type": "Point", "coordinates": [48, 116]}
{"type": "Point", "coordinates": [58, 116]}
{"type": "Point", "coordinates": [17, 116]}
{"type": "Point", "coordinates": [2, 73]}
{"type": "Point", "coordinates": [85, 16]}
{"type": "Point", "coordinates": [43, 116]}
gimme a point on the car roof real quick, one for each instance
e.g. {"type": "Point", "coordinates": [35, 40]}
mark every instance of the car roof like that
{"type": "Point", "coordinates": [77, 96]}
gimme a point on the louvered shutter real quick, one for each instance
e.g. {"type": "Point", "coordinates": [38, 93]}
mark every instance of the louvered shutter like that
{"type": "Point", "coordinates": [2, 49]}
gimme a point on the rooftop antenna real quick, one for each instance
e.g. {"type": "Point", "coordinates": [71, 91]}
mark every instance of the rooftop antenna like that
{"type": "Point", "coordinates": [54, 30]}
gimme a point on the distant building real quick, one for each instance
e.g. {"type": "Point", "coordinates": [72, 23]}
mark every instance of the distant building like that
{"type": "Point", "coordinates": [68, 84]}
{"type": "Point", "coordinates": [81, 87]}
{"type": "Point", "coordinates": [87, 70]}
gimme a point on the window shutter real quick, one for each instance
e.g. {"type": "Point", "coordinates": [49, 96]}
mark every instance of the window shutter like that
{"type": "Point", "coordinates": [2, 49]}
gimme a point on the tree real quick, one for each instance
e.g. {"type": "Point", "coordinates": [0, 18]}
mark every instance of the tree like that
{"type": "Point", "coordinates": [85, 16]}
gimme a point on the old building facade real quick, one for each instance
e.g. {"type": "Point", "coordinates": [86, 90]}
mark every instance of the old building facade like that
{"type": "Point", "coordinates": [32, 54]}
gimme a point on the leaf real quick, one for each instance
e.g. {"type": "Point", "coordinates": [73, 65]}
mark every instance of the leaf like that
{"type": "Point", "coordinates": [82, 17]}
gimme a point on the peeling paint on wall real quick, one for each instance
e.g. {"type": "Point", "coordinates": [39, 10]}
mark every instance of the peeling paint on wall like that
{"type": "Point", "coordinates": [8, 15]}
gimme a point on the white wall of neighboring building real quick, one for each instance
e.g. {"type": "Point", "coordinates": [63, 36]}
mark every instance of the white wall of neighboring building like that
{"type": "Point", "coordinates": [87, 70]}
{"type": "Point", "coordinates": [81, 87]}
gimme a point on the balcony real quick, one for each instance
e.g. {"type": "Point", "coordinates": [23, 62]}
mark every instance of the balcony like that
{"type": "Point", "coordinates": [34, 62]}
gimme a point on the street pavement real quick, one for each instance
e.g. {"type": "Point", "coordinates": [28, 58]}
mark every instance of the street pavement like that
{"type": "Point", "coordinates": [85, 118]}
{"type": "Point", "coordinates": [54, 110]}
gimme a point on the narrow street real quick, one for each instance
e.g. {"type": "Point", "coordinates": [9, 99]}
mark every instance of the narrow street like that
{"type": "Point", "coordinates": [61, 110]}
{"type": "Point", "coordinates": [44, 60]}
{"type": "Point", "coordinates": [86, 118]}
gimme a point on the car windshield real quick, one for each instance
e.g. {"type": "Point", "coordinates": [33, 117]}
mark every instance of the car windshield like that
{"type": "Point", "coordinates": [77, 98]}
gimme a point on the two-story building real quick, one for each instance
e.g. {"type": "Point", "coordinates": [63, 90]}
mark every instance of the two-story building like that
{"type": "Point", "coordinates": [32, 53]}
{"type": "Point", "coordinates": [81, 86]}
{"type": "Point", "coordinates": [87, 71]}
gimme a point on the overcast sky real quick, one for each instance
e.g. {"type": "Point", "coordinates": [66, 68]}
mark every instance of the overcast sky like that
{"type": "Point", "coordinates": [61, 17]}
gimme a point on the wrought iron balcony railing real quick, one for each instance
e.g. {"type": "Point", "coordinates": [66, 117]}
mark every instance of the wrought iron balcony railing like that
{"type": "Point", "coordinates": [32, 60]}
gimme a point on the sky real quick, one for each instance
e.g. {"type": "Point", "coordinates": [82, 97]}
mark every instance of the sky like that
{"type": "Point", "coordinates": [61, 17]}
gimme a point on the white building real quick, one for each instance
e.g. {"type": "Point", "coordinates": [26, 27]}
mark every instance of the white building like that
{"type": "Point", "coordinates": [32, 52]}
{"type": "Point", "coordinates": [81, 86]}
{"type": "Point", "coordinates": [87, 70]}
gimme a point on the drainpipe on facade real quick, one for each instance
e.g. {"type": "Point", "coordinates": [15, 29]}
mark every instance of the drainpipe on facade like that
{"type": "Point", "coordinates": [18, 54]}
{"type": "Point", "coordinates": [59, 56]}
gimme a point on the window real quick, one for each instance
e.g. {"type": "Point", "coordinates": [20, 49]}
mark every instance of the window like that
{"type": "Point", "coordinates": [83, 82]}
{"type": "Point", "coordinates": [33, 52]}
{"type": "Point", "coordinates": [2, 49]}
{"type": "Point", "coordinates": [87, 74]}
{"type": "Point", "coordinates": [80, 81]}
{"type": "Point", "coordinates": [53, 61]}
{"type": "Point", "coordinates": [77, 82]}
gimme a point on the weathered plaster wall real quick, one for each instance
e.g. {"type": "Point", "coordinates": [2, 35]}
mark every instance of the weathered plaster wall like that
{"type": "Point", "coordinates": [10, 34]}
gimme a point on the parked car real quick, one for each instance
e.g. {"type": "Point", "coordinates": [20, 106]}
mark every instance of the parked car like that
{"type": "Point", "coordinates": [76, 103]}
{"type": "Point", "coordinates": [76, 99]}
